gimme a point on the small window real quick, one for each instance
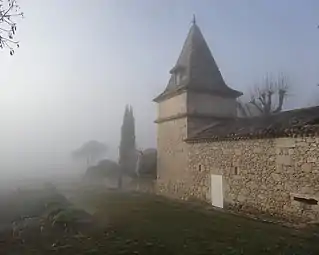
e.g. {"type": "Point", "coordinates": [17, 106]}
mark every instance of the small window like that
{"type": "Point", "coordinates": [307, 201]}
{"type": "Point", "coordinates": [177, 78]}
{"type": "Point", "coordinates": [236, 170]}
{"type": "Point", "coordinates": [199, 167]}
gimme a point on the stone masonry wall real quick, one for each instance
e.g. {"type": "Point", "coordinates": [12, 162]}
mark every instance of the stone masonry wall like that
{"type": "Point", "coordinates": [172, 106]}
{"type": "Point", "coordinates": [265, 175]}
{"type": "Point", "coordinates": [260, 175]}
{"type": "Point", "coordinates": [172, 157]}
{"type": "Point", "coordinates": [171, 149]}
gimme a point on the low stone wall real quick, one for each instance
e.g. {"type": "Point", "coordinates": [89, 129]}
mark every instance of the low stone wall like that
{"type": "Point", "coordinates": [279, 177]}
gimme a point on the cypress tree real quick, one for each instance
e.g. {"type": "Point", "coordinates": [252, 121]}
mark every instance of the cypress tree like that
{"type": "Point", "coordinates": [127, 145]}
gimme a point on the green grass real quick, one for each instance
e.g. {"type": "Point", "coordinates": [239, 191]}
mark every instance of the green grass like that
{"type": "Point", "coordinates": [133, 223]}
{"type": "Point", "coordinates": [154, 225]}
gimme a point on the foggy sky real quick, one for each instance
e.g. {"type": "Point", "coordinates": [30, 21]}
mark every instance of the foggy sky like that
{"type": "Point", "coordinates": [80, 62]}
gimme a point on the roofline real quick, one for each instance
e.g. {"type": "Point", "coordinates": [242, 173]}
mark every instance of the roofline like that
{"type": "Point", "coordinates": [308, 129]}
{"type": "Point", "coordinates": [278, 134]}
{"type": "Point", "coordinates": [169, 94]}
{"type": "Point", "coordinates": [177, 68]}
{"type": "Point", "coordinates": [190, 115]}
{"type": "Point", "coordinates": [179, 90]}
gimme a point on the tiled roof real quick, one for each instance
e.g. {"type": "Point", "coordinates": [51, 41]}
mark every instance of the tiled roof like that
{"type": "Point", "coordinates": [297, 122]}
{"type": "Point", "coordinates": [198, 68]}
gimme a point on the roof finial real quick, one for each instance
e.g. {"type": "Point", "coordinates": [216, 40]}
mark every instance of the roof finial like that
{"type": "Point", "coordinates": [194, 20]}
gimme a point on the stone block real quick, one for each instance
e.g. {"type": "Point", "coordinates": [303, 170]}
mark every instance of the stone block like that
{"type": "Point", "coordinates": [284, 160]}
{"type": "Point", "coordinates": [238, 152]}
{"type": "Point", "coordinates": [285, 143]}
{"type": "Point", "coordinates": [306, 167]}
{"type": "Point", "coordinates": [310, 139]}
{"type": "Point", "coordinates": [302, 144]}
{"type": "Point", "coordinates": [276, 177]}
{"type": "Point", "coordinates": [241, 198]}
{"type": "Point", "coordinates": [258, 150]}
{"type": "Point", "coordinates": [306, 190]}
{"type": "Point", "coordinates": [311, 160]}
{"type": "Point", "coordinates": [279, 168]}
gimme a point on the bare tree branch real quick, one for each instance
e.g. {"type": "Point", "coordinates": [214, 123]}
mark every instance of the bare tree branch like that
{"type": "Point", "coordinates": [262, 99]}
{"type": "Point", "coordinates": [9, 9]}
{"type": "Point", "coordinates": [269, 101]}
{"type": "Point", "coordinates": [281, 98]}
{"type": "Point", "coordinates": [258, 107]}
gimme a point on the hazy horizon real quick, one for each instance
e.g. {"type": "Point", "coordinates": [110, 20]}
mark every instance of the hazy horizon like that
{"type": "Point", "coordinates": [81, 62]}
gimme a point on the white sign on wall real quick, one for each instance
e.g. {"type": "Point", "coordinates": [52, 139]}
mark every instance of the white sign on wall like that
{"type": "Point", "coordinates": [217, 190]}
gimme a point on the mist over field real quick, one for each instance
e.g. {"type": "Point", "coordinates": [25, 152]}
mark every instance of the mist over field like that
{"type": "Point", "coordinates": [71, 77]}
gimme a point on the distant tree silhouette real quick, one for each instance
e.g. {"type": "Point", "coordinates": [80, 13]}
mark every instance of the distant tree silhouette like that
{"type": "Point", "coordinates": [91, 151]}
{"type": "Point", "coordinates": [104, 169]}
{"type": "Point", "coordinates": [262, 97]}
{"type": "Point", "coordinates": [127, 150]}
{"type": "Point", "coordinates": [147, 164]}
{"type": "Point", "coordinates": [9, 10]}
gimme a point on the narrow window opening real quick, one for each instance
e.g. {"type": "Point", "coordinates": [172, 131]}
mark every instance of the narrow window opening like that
{"type": "Point", "coordinates": [178, 75]}
{"type": "Point", "coordinates": [178, 78]}
{"type": "Point", "coordinates": [236, 170]}
{"type": "Point", "coordinates": [308, 201]}
{"type": "Point", "coordinates": [199, 167]}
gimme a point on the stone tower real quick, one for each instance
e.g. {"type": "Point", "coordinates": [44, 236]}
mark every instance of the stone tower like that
{"type": "Point", "coordinates": [196, 96]}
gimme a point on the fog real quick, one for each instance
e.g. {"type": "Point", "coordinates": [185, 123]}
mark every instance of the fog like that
{"type": "Point", "coordinates": [81, 62]}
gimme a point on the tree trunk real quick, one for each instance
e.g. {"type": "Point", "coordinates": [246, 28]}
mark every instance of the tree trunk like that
{"type": "Point", "coordinates": [281, 97]}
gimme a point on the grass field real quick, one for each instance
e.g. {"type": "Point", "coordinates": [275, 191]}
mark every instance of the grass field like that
{"type": "Point", "coordinates": [132, 223]}
{"type": "Point", "coordinates": [154, 225]}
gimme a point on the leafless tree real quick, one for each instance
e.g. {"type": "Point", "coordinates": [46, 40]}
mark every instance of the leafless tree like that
{"type": "Point", "coordinates": [9, 11]}
{"type": "Point", "coordinates": [266, 98]}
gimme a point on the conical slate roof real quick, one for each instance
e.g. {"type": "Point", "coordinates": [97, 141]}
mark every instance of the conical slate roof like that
{"type": "Point", "coordinates": [197, 70]}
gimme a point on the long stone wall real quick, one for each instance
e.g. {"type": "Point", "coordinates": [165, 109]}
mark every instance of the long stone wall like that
{"type": "Point", "coordinates": [276, 176]}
